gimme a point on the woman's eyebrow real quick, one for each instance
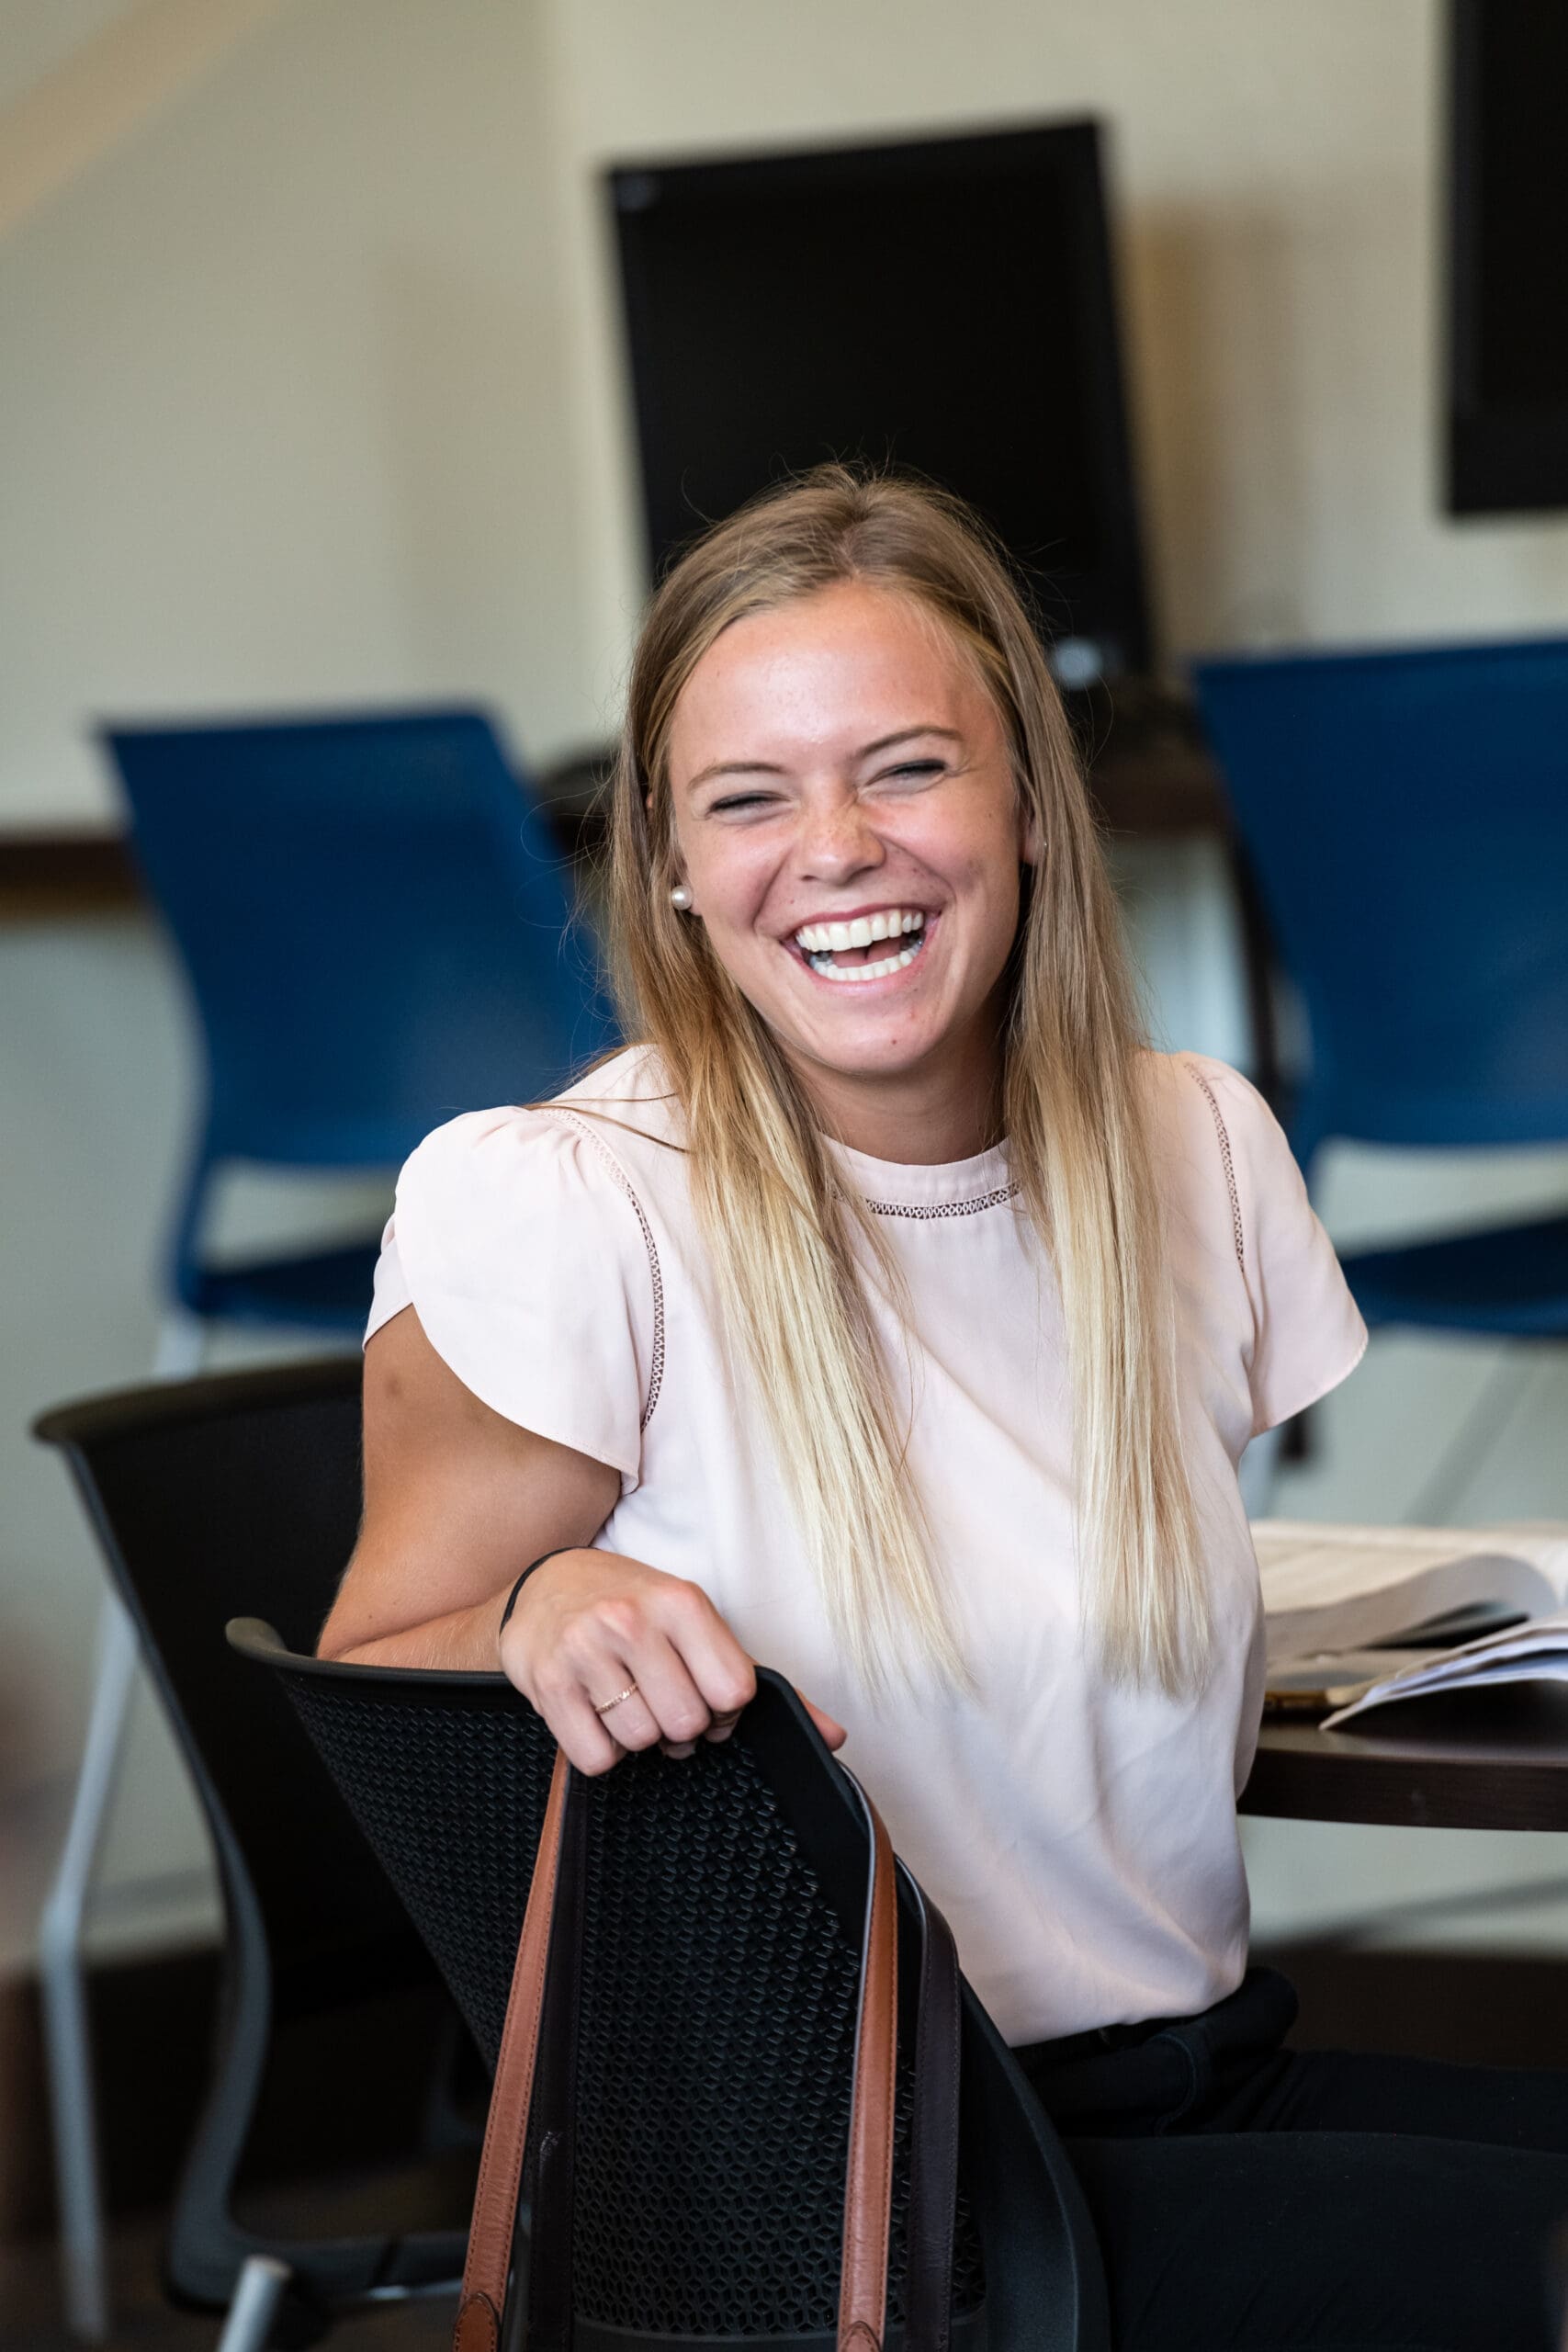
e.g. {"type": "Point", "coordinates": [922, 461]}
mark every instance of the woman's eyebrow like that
{"type": "Point", "coordinates": [733, 767]}
{"type": "Point", "coordinates": [866, 752]}
{"type": "Point", "coordinates": [905, 735]}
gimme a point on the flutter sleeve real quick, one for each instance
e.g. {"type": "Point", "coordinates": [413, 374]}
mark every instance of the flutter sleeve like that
{"type": "Point", "coordinates": [528, 1266]}
{"type": "Point", "coordinates": [1307, 1332]}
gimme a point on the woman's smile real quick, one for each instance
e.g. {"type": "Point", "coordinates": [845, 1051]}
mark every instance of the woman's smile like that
{"type": "Point", "coordinates": [878, 944]}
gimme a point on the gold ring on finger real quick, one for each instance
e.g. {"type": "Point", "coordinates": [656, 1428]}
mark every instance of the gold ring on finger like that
{"type": "Point", "coordinates": [603, 1706]}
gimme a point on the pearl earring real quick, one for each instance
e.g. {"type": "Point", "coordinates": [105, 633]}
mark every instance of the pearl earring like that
{"type": "Point", "coordinates": [680, 898]}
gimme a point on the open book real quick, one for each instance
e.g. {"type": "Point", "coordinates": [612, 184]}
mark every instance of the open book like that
{"type": "Point", "coordinates": [1357, 1616]}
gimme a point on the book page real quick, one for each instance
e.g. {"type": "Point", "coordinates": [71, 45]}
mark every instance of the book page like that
{"type": "Point", "coordinates": [1306, 1564]}
{"type": "Point", "coordinates": [1537, 1653]}
{"type": "Point", "coordinates": [1545, 1638]}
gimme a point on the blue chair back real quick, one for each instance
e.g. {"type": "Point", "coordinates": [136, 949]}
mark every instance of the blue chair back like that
{"type": "Point", "coordinates": [377, 926]}
{"type": "Point", "coordinates": [1407, 815]}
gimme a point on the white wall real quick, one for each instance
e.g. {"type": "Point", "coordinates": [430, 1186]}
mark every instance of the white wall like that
{"type": "Point", "coordinates": [40, 35]}
{"type": "Point", "coordinates": [1276, 171]}
{"type": "Point", "coordinates": [284, 399]}
{"type": "Point", "coordinates": [312, 389]}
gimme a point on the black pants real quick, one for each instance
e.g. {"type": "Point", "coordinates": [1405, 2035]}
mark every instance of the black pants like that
{"type": "Point", "coordinates": [1250, 2197]}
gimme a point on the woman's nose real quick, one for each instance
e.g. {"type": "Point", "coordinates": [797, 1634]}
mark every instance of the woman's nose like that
{"type": "Point", "coordinates": [837, 839]}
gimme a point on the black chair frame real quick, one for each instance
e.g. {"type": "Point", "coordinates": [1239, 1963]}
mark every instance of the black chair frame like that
{"type": "Point", "coordinates": [186, 1486]}
{"type": "Point", "coordinates": [711, 1881]}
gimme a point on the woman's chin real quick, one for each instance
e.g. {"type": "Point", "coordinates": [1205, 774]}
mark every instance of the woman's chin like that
{"type": "Point", "coordinates": [874, 1032]}
{"type": "Point", "coordinates": [863, 1050]}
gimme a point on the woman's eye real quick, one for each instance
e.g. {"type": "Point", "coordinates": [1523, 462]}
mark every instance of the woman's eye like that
{"type": "Point", "coordinates": [741, 800]}
{"type": "Point", "coordinates": [913, 772]}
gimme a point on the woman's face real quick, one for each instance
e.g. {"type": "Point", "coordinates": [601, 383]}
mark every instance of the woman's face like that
{"type": "Point", "coordinates": [848, 826]}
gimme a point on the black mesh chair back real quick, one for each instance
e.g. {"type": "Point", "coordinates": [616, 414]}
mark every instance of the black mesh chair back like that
{"type": "Point", "coordinates": [204, 1492]}
{"type": "Point", "coordinates": [716, 2009]}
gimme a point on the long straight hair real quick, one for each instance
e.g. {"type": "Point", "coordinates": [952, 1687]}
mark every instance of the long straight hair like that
{"type": "Point", "coordinates": [782, 1232]}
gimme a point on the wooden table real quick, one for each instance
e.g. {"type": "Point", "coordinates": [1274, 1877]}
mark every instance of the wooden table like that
{"type": "Point", "coordinates": [1481, 1759]}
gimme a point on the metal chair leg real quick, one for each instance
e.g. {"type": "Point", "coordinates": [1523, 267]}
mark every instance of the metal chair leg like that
{"type": "Point", "coordinates": [62, 1974]}
{"type": "Point", "coordinates": [256, 2297]}
{"type": "Point", "coordinates": [63, 1981]}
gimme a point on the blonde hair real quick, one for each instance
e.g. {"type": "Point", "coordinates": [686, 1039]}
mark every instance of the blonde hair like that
{"type": "Point", "coordinates": [782, 1232]}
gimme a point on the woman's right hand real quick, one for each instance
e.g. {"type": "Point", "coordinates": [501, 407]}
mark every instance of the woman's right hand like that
{"type": "Point", "coordinates": [590, 1626]}
{"type": "Point", "coordinates": [455, 1498]}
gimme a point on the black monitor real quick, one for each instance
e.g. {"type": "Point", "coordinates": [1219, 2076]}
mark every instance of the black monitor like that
{"type": "Point", "coordinates": [944, 304]}
{"type": "Point", "coordinates": [1507, 373]}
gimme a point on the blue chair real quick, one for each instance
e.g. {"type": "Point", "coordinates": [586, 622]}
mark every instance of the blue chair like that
{"type": "Point", "coordinates": [1407, 816]}
{"type": "Point", "coordinates": [377, 931]}
{"type": "Point", "coordinates": [377, 927]}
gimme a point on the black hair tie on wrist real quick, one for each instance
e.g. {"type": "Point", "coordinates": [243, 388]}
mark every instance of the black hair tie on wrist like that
{"type": "Point", "coordinates": [511, 1596]}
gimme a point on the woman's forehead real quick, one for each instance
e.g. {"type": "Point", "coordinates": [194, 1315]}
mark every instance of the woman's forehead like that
{"type": "Point", "coordinates": [825, 674]}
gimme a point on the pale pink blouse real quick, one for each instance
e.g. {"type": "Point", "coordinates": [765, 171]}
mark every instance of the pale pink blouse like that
{"type": "Point", "coordinates": [1080, 1837]}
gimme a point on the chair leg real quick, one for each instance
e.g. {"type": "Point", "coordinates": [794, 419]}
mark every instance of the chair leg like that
{"type": "Point", "coordinates": [261, 2289]}
{"type": "Point", "coordinates": [182, 1340]}
{"type": "Point", "coordinates": [64, 1979]}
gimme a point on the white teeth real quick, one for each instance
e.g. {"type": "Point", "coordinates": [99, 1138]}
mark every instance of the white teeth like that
{"type": "Point", "coordinates": [877, 971]}
{"type": "Point", "coordinates": [825, 938]}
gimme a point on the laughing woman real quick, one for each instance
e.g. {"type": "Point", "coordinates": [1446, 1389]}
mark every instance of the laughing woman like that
{"type": "Point", "coordinates": [892, 1315]}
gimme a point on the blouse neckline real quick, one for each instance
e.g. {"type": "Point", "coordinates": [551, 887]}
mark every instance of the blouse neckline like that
{"type": "Point", "coordinates": [948, 1188]}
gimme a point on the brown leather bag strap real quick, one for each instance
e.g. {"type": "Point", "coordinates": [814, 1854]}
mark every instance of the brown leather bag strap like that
{"type": "Point", "coordinates": [521, 2063]}
{"type": "Point", "coordinates": [868, 2186]}
{"type": "Point", "coordinates": [485, 2271]}
{"type": "Point", "coordinates": [545, 2316]}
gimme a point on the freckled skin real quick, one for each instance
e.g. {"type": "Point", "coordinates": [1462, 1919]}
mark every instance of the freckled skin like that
{"type": "Point", "coordinates": [903, 1067]}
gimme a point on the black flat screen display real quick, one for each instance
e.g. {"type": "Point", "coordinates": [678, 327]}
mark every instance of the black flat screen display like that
{"type": "Point", "coordinates": [945, 305]}
{"type": "Point", "coordinates": [1508, 240]}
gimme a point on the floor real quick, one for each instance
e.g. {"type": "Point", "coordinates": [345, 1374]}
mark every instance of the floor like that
{"type": "Point", "coordinates": [143, 2322]}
